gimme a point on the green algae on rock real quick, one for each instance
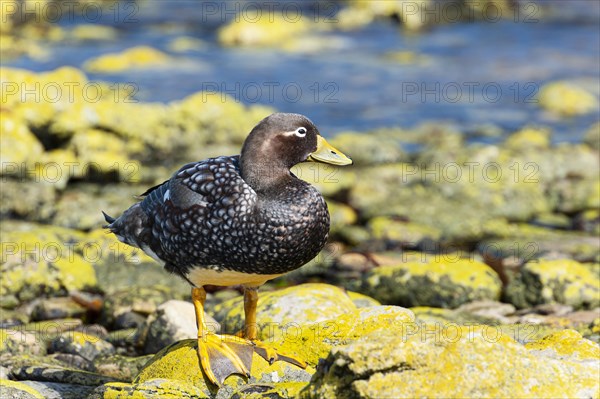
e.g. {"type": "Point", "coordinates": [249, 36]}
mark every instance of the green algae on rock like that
{"type": "Point", "coordinates": [468, 361]}
{"type": "Point", "coordinates": [548, 281]}
{"type": "Point", "coordinates": [443, 282]}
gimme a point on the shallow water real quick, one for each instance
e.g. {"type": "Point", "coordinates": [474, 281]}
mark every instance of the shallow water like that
{"type": "Point", "coordinates": [466, 74]}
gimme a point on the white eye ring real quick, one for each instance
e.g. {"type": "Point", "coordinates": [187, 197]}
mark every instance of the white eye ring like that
{"type": "Point", "coordinates": [300, 132]}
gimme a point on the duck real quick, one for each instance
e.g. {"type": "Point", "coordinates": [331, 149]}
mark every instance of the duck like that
{"type": "Point", "coordinates": [237, 220]}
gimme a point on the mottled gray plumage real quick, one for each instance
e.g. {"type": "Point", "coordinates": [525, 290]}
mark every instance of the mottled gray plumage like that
{"type": "Point", "coordinates": [243, 213]}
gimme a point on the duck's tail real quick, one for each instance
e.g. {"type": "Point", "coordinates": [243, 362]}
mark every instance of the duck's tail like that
{"type": "Point", "coordinates": [109, 219]}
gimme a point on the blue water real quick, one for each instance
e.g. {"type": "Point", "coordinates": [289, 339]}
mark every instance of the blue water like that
{"type": "Point", "coordinates": [475, 74]}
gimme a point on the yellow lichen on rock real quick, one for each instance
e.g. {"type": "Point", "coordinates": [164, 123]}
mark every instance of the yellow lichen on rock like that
{"type": "Point", "coordinates": [135, 57]}
{"type": "Point", "coordinates": [313, 341]}
{"type": "Point", "coordinates": [94, 32]}
{"type": "Point", "coordinates": [103, 153]}
{"type": "Point", "coordinates": [549, 281]}
{"type": "Point", "coordinates": [567, 99]}
{"type": "Point", "coordinates": [445, 280]}
{"type": "Point", "coordinates": [466, 361]}
{"type": "Point", "coordinates": [18, 146]}
{"type": "Point", "coordinates": [18, 389]}
{"type": "Point", "coordinates": [291, 306]}
{"type": "Point", "coordinates": [267, 29]}
{"type": "Point", "coordinates": [529, 138]}
{"type": "Point", "coordinates": [38, 259]}
{"type": "Point", "coordinates": [566, 344]}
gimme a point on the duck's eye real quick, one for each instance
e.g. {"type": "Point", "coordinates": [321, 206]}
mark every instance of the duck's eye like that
{"type": "Point", "coordinates": [300, 132]}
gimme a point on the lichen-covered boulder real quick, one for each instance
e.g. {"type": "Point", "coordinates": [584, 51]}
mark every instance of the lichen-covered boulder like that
{"type": "Point", "coordinates": [127, 308]}
{"type": "Point", "coordinates": [370, 149]}
{"type": "Point", "coordinates": [567, 98]}
{"type": "Point", "coordinates": [57, 308]}
{"type": "Point", "coordinates": [85, 345]}
{"type": "Point", "coordinates": [362, 301]}
{"type": "Point", "coordinates": [38, 259]}
{"type": "Point", "coordinates": [135, 57]}
{"type": "Point", "coordinates": [269, 29]}
{"type": "Point", "coordinates": [566, 344]}
{"type": "Point", "coordinates": [18, 390]}
{"type": "Point", "coordinates": [15, 342]}
{"type": "Point", "coordinates": [548, 281]}
{"type": "Point", "coordinates": [305, 303]}
{"type": "Point", "coordinates": [43, 390]}
{"type": "Point", "coordinates": [441, 282]}
{"type": "Point", "coordinates": [464, 361]}
{"type": "Point", "coordinates": [313, 341]}
{"type": "Point", "coordinates": [401, 233]}
{"type": "Point", "coordinates": [173, 321]}
{"type": "Point", "coordinates": [123, 368]}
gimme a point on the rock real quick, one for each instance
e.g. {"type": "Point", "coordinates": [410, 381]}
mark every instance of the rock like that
{"type": "Point", "coordinates": [77, 343]}
{"type": "Point", "coordinates": [19, 148]}
{"type": "Point", "coordinates": [464, 361]}
{"type": "Point", "coordinates": [94, 32]}
{"type": "Point", "coordinates": [547, 281]}
{"type": "Point", "coordinates": [270, 29]}
{"type": "Point", "coordinates": [157, 388]}
{"type": "Point", "coordinates": [362, 301]}
{"type": "Point", "coordinates": [140, 301]}
{"type": "Point", "coordinates": [124, 340]}
{"type": "Point", "coordinates": [176, 370]}
{"type": "Point", "coordinates": [135, 57]}
{"type": "Point", "coordinates": [528, 138]}
{"type": "Point", "coordinates": [17, 342]}
{"type": "Point", "coordinates": [313, 341]}
{"type": "Point", "coordinates": [104, 156]}
{"type": "Point", "coordinates": [57, 308]}
{"type": "Point", "coordinates": [370, 149]}
{"type": "Point", "coordinates": [53, 390]}
{"type": "Point", "coordinates": [184, 44]}
{"type": "Point", "coordinates": [290, 306]}
{"type": "Point", "coordinates": [12, 318]}
{"type": "Point", "coordinates": [441, 282]}
{"type": "Point", "coordinates": [567, 98]}
{"type": "Point", "coordinates": [592, 136]}
{"type": "Point", "coordinates": [341, 215]}
{"type": "Point", "coordinates": [566, 344]}
{"type": "Point", "coordinates": [29, 200]}
{"type": "Point", "coordinates": [18, 390]}
{"type": "Point", "coordinates": [488, 309]}
{"type": "Point", "coordinates": [523, 243]}
{"type": "Point", "coordinates": [48, 330]}
{"type": "Point", "coordinates": [173, 321]}
{"type": "Point", "coordinates": [41, 259]}
{"type": "Point", "coordinates": [395, 233]}
{"type": "Point", "coordinates": [60, 374]}
{"type": "Point", "coordinates": [123, 368]}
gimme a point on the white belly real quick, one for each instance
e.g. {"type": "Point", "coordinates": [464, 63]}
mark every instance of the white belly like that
{"type": "Point", "coordinates": [201, 277]}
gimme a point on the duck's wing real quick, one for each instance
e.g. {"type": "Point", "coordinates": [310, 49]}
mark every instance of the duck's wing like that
{"type": "Point", "coordinates": [198, 185]}
{"type": "Point", "coordinates": [173, 212]}
{"type": "Point", "coordinates": [185, 212]}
